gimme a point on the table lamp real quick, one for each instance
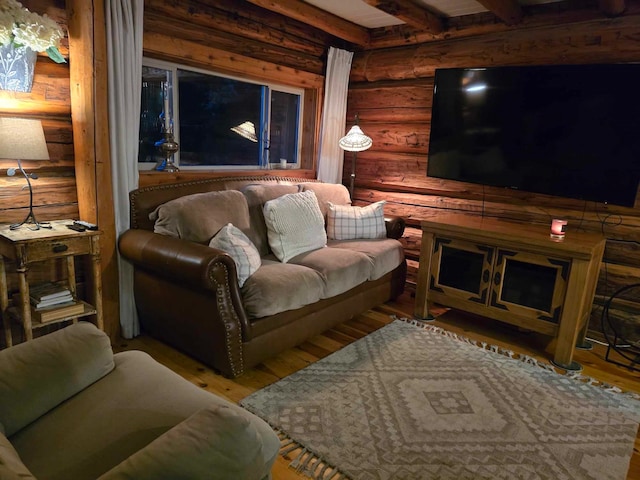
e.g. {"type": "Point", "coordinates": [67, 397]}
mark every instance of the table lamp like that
{"type": "Point", "coordinates": [23, 139]}
{"type": "Point", "coordinates": [354, 141]}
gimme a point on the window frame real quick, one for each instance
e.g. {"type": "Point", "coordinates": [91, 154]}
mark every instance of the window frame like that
{"type": "Point", "coordinates": [173, 67]}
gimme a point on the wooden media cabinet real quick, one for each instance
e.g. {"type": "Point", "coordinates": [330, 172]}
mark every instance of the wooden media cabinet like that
{"type": "Point", "coordinates": [512, 272]}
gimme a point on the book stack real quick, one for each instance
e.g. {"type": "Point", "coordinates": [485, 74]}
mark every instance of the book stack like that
{"type": "Point", "coordinates": [52, 301]}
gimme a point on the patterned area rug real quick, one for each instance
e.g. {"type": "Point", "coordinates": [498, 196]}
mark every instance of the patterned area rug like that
{"type": "Point", "coordinates": [417, 402]}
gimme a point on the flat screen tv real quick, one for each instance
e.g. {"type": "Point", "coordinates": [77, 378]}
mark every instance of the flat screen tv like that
{"type": "Point", "coordinates": [571, 130]}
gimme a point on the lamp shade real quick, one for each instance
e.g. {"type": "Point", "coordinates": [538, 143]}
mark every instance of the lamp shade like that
{"type": "Point", "coordinates": [355, 140]}
{"type": "Point", "coordinates": [22, 139]}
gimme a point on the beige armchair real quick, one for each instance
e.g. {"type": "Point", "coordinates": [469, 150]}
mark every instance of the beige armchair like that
{"type": "Point", "coordinates": [71, 409]}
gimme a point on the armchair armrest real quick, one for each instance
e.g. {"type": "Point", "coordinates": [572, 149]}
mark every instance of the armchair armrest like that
{"type": "Point", "coordinates": [217, 443]}
{"type": "Point", "coordinates": [395, 226]}
{"type": "Point", "coordinates": [188, 263]}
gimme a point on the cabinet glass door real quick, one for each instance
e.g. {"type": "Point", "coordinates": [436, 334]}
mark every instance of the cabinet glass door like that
{"type": "Point", "coordinates": [529, 284]}
{"type": "Point", "coordinates": [461, 269]}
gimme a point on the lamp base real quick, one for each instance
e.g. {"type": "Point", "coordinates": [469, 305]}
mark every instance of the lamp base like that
{"type": "Point", "coordinates": [30, 222]}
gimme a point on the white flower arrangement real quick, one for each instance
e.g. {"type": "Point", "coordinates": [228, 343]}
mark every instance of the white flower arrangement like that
{"type": "Point", "coordinates": [20, 27]}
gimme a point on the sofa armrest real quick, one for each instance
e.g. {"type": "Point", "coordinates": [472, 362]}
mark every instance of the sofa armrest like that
{"type": "Point", "coordinates": [215, 443]}
{"type": "Point", "coordinates": [187, 263]}
{"type": "Point", "coordinates": [395, 226]}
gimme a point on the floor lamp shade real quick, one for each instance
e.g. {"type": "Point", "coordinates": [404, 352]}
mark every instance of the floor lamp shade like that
{"type": "Point", "coordinates": [23, 139]}
{"type": "Point", "coordinates": [354, 141]}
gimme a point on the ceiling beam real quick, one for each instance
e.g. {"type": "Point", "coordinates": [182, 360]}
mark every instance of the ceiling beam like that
{"type": "Point", "coordinates": [318, 18]}
{"type": "Point", "coordinates": [612, 8]}
{"type": "Point", "coordinates": [410, 13]}
{"type": "Point", "coordinates": [509, 11]}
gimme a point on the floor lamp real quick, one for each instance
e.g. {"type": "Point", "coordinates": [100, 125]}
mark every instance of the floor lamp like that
{"type": "Point", "coordinates": [23, 139]}
{"type": "Point", "coordinates": [354, 141]}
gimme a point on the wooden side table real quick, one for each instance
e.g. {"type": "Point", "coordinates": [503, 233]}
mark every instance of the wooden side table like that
{"type": "Point", "coordinates": [26, 247]}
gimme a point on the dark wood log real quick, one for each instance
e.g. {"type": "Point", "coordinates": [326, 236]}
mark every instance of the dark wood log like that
{"type": "Point", "coordinates": [228, 42]}
{"type": "Point", "coordinates": [411, 13]}
{"type": "Point", "coordinates": [588, 42]}
{"type": "Point", "coordinates": [509, 11]}
{"type": "Point", "coordinates": [469, 26]}
{"type": "Point", "coordinates": [318, 18]}
{"type": "Point", "coordinates": [191, 53]}
{"type": "Point", "coordinates": [249, 22]}
{"type": "Point", "coordinates": [612, 8]}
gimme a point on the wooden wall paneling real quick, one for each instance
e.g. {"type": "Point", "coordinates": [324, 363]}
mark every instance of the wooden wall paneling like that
{"type": "Point", "coordinates": [88, 77]}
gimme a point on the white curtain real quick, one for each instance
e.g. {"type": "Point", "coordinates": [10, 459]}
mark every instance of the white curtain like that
{"type": "Point", "coordinates": [334, 112]}
{"type": "Point", "coordinates": [124, 55]}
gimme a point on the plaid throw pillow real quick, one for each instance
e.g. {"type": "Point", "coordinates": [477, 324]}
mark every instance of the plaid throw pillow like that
{"type": "Point", "coordinates": [348, 223]}
{"type": "Point", "coordinates": [234, 242]}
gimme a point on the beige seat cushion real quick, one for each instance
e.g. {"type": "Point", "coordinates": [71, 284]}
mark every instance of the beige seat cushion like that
{"type": "Point", "coordinates": [340, 269]}
{"type": "Point", "coordinates": [112, 419]}
{"type": "Point", "coordinates": [200, 216]}
{"type": "Point", "coordinates": [276, 287]}
{"type": "Point", "coordinates": [386, 254]}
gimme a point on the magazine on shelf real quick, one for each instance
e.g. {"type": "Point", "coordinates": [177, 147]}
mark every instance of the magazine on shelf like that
{"type": "Point", "coordinates": [48, 291]}
{"type": "Point", "coordinates": [52, 301]}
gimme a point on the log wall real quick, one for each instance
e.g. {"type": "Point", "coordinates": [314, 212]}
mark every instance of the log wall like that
{"type": "Point", "coordinates": [391, 91]}
{"type": "Point", "coordinates": [54, 191]}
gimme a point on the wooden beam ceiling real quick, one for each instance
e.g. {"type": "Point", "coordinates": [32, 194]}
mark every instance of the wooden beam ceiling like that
{"type": "Point", "coordinates": [509, 11]}
{"type": "Point", "coordinates": [612, 8]}
{"type": "Point", "coordinates": [318, 18]}
{"type": "Point", "coordinates": [410, 13]}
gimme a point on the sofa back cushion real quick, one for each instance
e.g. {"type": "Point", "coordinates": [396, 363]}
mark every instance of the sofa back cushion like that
{"type": "Point", "coordinates": [257, 195]}
{"type": "Point", "coordinates": [294, 225]}
{"type": "Point", "coordinates": [326, 193]}
{"type": "Point", "coordinates": [38, 375]}
{"type": "Point", "coordinates": [200, 216]}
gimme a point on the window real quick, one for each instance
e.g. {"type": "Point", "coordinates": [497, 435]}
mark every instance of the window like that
{"type": "Point", "coordinates": [219, 121]}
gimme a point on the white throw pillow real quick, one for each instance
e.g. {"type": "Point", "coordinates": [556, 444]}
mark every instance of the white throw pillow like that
{"type": "Point", "coordinates": [294, 225]}
{"type": "Point", "coordinates": [348, 223]}
{"type": "Point", "coordinates": [233, 241]}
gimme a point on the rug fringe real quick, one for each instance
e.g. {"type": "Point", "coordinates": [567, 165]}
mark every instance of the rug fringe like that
{"type": "Point", "coordinates": [306, 461]}
{"type": "Point", "coordinates": [518, 356]}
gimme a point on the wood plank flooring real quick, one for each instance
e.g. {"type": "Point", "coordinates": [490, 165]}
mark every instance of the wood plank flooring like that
{"type": "Point", "coordinates": [477, 328]}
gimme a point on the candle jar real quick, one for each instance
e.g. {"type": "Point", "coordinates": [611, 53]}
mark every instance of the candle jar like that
{"type": "Point", "coordinates": [558, 228]}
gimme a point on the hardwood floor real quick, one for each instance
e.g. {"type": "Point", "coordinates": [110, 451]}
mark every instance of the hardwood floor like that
{"type": "Point", "coordinates": [477, 328]}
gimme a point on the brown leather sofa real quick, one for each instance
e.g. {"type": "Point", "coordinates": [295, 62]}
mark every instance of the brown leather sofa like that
{"type": "Point", "coordinates": [187, 293]}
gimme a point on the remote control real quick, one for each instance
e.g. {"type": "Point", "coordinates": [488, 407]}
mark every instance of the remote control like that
{"type": "Point", "coordinates": [87, 225]}
{"type": "Point", "coordinates": [77, 228]}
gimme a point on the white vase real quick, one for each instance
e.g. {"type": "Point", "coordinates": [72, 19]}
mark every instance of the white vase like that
{"type": "Point", "coordinates": [16, 68]}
